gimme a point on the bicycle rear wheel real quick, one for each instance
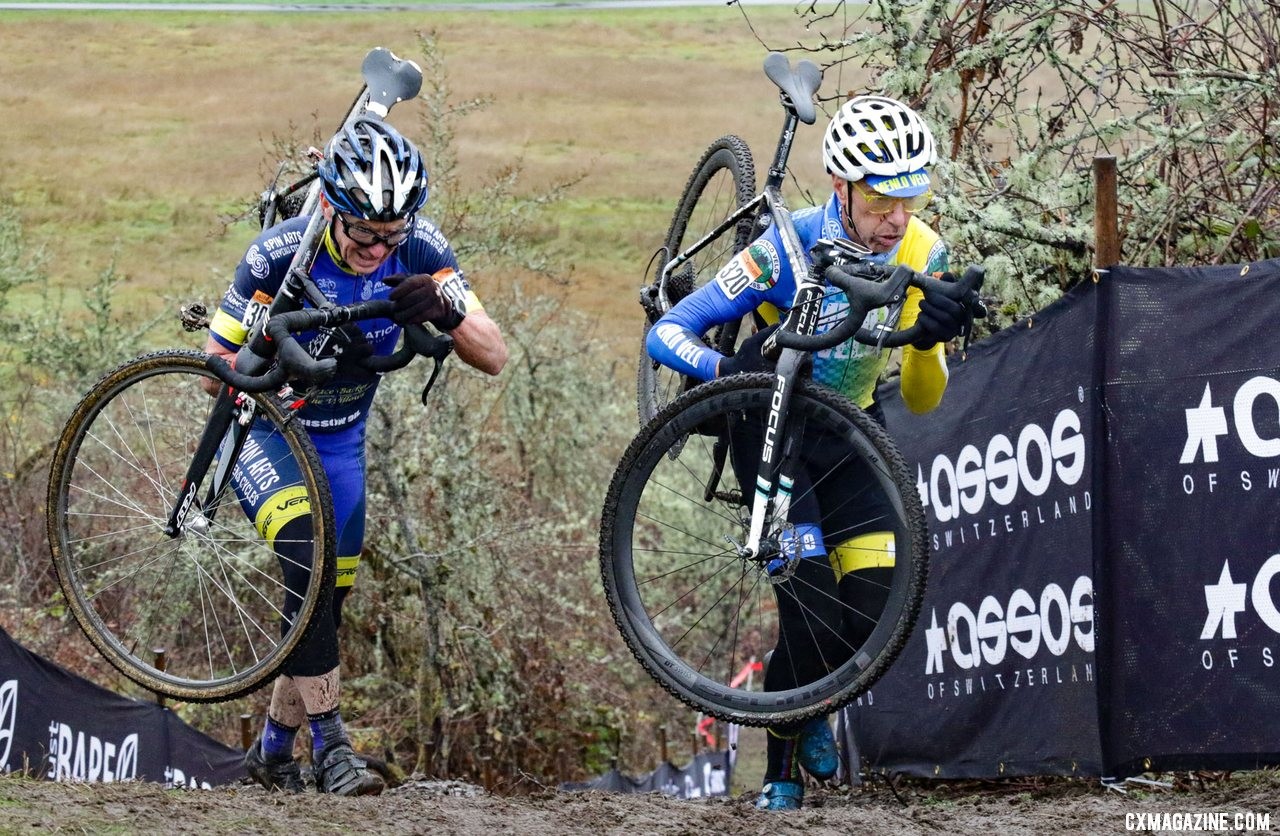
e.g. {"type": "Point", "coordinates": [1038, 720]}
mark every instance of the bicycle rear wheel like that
{"type": "Point", "coordinates": [723, 180]}
{"type": "Point", "coordinates": [696, 614]}
{"type": "Point", "coordinates": [212, 596]}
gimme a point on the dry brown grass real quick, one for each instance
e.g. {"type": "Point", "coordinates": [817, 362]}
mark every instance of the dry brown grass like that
{"type": "Point", "coordinates": [142, 130]}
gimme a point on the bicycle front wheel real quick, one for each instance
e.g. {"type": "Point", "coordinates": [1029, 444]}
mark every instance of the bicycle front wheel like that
{"type": "Point", "coordinates": [723, 180]}
{"type": "Point", "coordinates": [223, 606]}
{"type": "Point", "coordinates": [700, 618]}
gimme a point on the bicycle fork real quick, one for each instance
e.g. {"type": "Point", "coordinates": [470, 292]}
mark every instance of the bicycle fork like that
{"type": "Point", "coordinates": [223, 437]}
{"type": "Point", "coordinates": [772, 498]}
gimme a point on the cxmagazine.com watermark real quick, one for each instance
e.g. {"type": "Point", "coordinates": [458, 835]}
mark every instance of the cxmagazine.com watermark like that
{"type": "Point", "coordinates": [1198, 822]}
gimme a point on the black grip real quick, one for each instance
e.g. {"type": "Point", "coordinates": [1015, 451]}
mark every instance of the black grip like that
{"type": "Point", "coordinates": [964, 290]}
{"type": "Point", "coordinates": [272, 379]}
{"type": "Point", "coordinates": [294, 362]}
{"type": "Point", "coordinates": [417, 341]}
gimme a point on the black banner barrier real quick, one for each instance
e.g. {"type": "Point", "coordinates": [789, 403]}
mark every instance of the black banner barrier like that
{"type": "Point", "coordinates": [1098, 495]}
{"type": "Point", "coordinates": [1192, 535]}
{"type": "Point", "coordinates": [58, 726]}
{"type": "Point", "coordinates": [708, 774]}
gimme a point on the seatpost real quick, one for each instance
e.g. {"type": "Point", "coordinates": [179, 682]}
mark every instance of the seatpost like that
{"type": "Point", "coordinates": [778, 168]}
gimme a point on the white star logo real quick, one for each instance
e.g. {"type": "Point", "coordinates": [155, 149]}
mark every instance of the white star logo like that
{"type": "Point", "coordinates": [1204, 424]}
{"type": "Point", "coordinates": [936, 639]}
{"type": "Point", "coordinates": [1223, 599]}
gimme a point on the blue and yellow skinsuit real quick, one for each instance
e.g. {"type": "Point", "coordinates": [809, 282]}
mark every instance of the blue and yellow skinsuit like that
{"type": "Point", "coordinates": [760, 279]}
{"type": "Point", "coordinates": [265, 476]}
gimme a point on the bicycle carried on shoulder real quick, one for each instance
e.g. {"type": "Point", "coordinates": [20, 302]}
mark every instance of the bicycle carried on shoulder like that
{"type": "Point", "coordinates": [701, 567]}
{"type": "Point", "coordinates": [151, 547]}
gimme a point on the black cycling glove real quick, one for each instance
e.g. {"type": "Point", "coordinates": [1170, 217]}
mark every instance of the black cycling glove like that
{"type": "Point", "coordinates": [350, 349]}
{"type": "Point", "coordinates": [420, 298]}
{"type": "Point", "coordinates": [941, 319]}
{"type": "Point", "coordinates": [749, 357]}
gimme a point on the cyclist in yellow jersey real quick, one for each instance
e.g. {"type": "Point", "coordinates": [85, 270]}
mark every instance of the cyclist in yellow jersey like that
{"type": "Point", "coordinates": [877, 152]}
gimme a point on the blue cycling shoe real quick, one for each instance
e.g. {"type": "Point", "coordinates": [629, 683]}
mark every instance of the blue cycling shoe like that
{"type": "Point", "coordinates": [818, 753]}
{"type": "Point", "coordinates": [781, 795]}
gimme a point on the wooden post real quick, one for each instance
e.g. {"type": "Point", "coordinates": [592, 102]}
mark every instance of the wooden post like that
{"type": "Point", "coordinates": [161, 662]}
{"type": "Point", "coordinates": [246, 731]}
{"type": "Point", "coordinates": [662, 743]}
{"type": "Point", "coordinates": [1106, 226]}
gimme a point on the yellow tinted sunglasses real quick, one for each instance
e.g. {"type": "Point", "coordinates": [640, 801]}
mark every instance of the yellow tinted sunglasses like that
{"type": "Point", "coordinates": [880, 204]}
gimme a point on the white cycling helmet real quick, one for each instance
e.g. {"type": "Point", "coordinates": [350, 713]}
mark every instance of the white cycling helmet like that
{"type": "Point", "coordinates": [882, 142]}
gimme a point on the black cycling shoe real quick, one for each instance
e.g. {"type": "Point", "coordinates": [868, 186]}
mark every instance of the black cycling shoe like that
{"type": "Point", "coordinates": [285, 776]}
{"type": "Point", "coordinates": [342, 772]}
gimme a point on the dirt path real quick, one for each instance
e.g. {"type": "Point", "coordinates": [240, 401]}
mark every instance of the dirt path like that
{"type": "Point", "coordinates": [455, 808]}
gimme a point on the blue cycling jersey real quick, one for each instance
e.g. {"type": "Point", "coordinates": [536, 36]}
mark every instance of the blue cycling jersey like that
{"type": "Point", "coordinates": [342, 401]}
{"type": "Point", "coordinates": [761, 277]}
{"type": "Point", "coordinates": [266, 478]}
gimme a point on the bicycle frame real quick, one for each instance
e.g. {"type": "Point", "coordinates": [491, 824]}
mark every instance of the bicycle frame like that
{"type": "Point", "coordinates": [772, 498]}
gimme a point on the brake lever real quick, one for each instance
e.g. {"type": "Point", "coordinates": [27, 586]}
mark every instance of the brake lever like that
{"type": "Point", "coordinates": [841, 252]}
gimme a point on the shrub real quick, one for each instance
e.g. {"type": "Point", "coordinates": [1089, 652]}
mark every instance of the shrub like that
{"type": "Point", "coordinates": [1023, 95]}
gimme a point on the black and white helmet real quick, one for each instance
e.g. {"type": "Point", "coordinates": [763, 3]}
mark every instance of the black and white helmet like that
{"type": "Point", "coordinates": [874, 136]}
{"type": "Point", "coordinates": [372, 172]}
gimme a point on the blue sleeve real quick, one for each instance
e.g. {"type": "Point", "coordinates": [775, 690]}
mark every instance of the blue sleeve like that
{"type": "Point", "coordinates": [427, 250]}
{"type": "Point", "coordinates": [752, 277]}
{"type": "Point", "coordinates": [257, 279]}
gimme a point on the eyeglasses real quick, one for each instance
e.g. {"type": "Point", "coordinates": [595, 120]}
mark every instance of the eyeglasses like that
{"type": "Point", "coordinates": [883, 204]}
{"type": "Point", "coordinates": [363, 236]}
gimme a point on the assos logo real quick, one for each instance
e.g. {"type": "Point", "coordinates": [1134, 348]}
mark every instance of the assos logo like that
{"type": "Point", "coordinates": [8, 720]}
{"type": "Point", "coordinates": [75, 756]}
{"type": "Point", "coordinates": [1226, 598]}
{"type": "Point", "coordinates": [1207, 423]}
{"type": "Point", "coordinates": [1055, 620]}
{"type": "Point", "coordinates": [1005, 468]}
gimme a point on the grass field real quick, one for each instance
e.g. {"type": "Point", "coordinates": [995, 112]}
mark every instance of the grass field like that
{"type": "Point", "coordinates": [133, 136]}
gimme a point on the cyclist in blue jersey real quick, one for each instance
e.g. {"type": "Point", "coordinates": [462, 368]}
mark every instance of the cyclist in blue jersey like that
{"type": "Point", "coordinates": [877, 152]}
{"type": "Point", "coordinates": [375, 247]}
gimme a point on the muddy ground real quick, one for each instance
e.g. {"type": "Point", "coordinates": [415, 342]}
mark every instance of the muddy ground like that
{"type": "Point", "coordinates": [1016, 807]}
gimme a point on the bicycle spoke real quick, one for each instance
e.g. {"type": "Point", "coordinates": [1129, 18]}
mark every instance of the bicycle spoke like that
{"type": "Point", "coordinates": [214, 595]}
{"type": "Point", "coordinates": [685, 596]}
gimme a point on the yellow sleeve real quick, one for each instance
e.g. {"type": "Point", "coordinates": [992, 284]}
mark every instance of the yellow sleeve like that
{"type": "Point", "coordinates": [924, 373]}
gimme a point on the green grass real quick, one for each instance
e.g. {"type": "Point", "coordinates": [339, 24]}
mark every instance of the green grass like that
{"type": "Point", "coordinates": [163, 126]}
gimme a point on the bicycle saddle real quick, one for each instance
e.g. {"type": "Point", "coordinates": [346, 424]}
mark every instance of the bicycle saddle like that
{"type": "Point", "coordinates": [799, 83]}
{"type": "Point", "coordinates": [389, 79]}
